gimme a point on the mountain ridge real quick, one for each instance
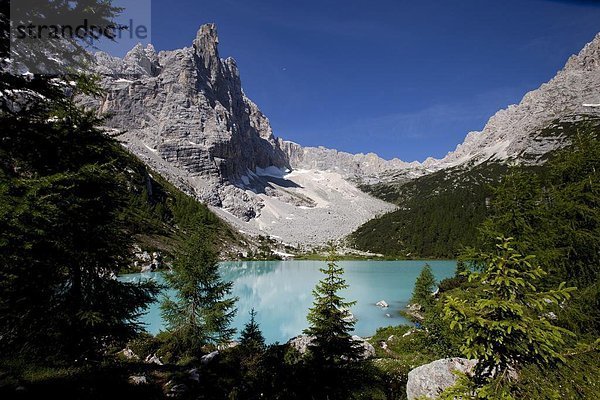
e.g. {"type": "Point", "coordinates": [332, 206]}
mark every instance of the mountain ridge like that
{"type": "Point", "coordinates": [510, 132]}
{"type": "Point", "coordinates": [184, 112]}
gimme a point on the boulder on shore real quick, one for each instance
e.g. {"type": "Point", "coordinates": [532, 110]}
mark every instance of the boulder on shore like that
{"type": "Point", "coordinates": [302, 342]}
{"type": "Point", "coordinates": [153, 359]}
{"type": "Point", "coordinates": [431, 379]}
{"type": "Point", "coordinates": [207, 358]}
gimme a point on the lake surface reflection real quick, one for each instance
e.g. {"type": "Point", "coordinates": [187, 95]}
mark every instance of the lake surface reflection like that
{"type": "Point", "coordinates": [281, 292]}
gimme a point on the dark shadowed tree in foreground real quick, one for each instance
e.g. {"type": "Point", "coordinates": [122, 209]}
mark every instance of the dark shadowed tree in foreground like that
{"type": "Point", "coordinates": [202, 310]}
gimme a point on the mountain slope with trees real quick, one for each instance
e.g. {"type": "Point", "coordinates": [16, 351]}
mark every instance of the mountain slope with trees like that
{"type": "Point", "coordinates": [439, 213]}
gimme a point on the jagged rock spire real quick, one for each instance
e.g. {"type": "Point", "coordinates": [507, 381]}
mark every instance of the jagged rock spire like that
{"type": "Point", "coordinates": [206, 47]}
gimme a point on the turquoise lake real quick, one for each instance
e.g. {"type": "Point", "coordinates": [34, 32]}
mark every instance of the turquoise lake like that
{"type": "Point", "coordinates": [281, 292]}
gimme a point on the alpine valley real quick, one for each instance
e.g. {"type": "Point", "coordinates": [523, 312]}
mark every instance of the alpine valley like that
{"type": "Point", "coordinates": [159, 240]}
{"type": "Point", "coordinates": [184, 113]}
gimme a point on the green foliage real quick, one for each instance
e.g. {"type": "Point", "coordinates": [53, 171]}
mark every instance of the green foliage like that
{"type": "Point", "coordinates": [201, 313]}
{"type": "Point", "coordinates": [250, 363]}
{"type": "Point", "coordinates": [509, 326]}
{"type": "Point", "coordinates": [332, 355]}
{"type": "Point", "coordinates": [328, 319]}
{"type": "Point", "coordinates": [438, 214]}
{"type": "Point", "coordinates": [159, 216]}
{"type": "Point", "coordinates": [264, 250]}
{"type": "Point", "coordinates": [405, 349]}
{"type": "Point", "coordinates": [576, 379]}
{"type": "Point", "coordinates": [251, 338]}
{"type": "Point", "coordinates": [576, 208]}
{"type": "Point", "coordinates": [62, 238]}
{"type": "Point", "coordinates": [424, 286]}
{"type": "Point", "coordinates": [70, 207]}
{"type": "Point", "coordinates": [555, 215]}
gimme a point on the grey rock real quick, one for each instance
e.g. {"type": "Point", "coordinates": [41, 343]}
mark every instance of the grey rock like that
{"type": "Point", "coordinates": [302, 342]}
{"type": "Point", "coordinates": [228, 345]}
{"type": "Point", "coordinates": [147, 268]}
{"type": "Point", "coordinates": [138, 380]}
{"type": "Point", "coordinates": [362, 168]}
{"type": "Point", "coordinates": [145, 261]}
{"type": "Point", "coordinates": [174, 389]}
{"type": "Point", "coordinates": [431, 379]}
{"type": "Point", "coordinates": [129, 354]}
{"type": "Point", "coordinates": [368, 349]}
{"type": "Point", "coordinates": [208, 358]}
{"type": "Point", "coordinates": [186, 109]}
{"type": "Point", "coordinates": [382, 304]}
{"type": "Point", "coordinates": [154, 359]}
{"type": "Point", "coordinates": [194, 374]}
{"type": "Point", "coordinates": [415, 311]}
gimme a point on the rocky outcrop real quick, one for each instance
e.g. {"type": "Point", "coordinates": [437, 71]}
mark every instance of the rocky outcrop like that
{"type": "Point", "coordinates": [138, 380]}
{"type": "Point", "coordinates": [515, 133]}
{"type": "Point", "coordinates": [145, 261]}
{"type": "Point", "coordinates": [208, 358]}
{"type": "Point", "coordinates": [185, 113]}
{"type": "Point", "coordinates": [302, 343]}
{"type": "Point", "coordinates": [363, 168]}
{"type": "Point", "coordinates": [429, 380]}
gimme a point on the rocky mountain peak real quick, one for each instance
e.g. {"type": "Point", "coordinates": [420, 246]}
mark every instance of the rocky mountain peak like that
{"type": "Point", "coordinates": [185, 114]}
{"type": "Point", "coordinates": [142, 60]}
{"type": "Point", "coordinates": [206, 47]}
{"type": "Point", "coordinates": [588, 58]}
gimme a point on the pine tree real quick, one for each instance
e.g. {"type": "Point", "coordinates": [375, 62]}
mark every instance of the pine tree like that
{"type": "Point", "coordinates": [251, 337]}
{"type": "Point", "coordinates": [556, 217]}
{"type": "Point", "coordinates": [201, 312]}
{"type": "Point", "coordinates": [251, 361]}
{"type": "Point", "coordinates": [328, 318]}
{"type": "Point", "coordinates": [424, 286]}
{"type": "Point", "coordinates": [461, 269]}
{"type": "Point", "coordinates": [63, 240]}
{"type": "Point", "coordinates": [507, 327]}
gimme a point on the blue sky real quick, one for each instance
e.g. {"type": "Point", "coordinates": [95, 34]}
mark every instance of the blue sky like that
{"type": "Point", "coordinates": [405, 79]}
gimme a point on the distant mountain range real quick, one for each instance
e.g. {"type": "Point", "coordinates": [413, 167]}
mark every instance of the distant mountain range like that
{"type": "Point", "coordinates": [185, 114]}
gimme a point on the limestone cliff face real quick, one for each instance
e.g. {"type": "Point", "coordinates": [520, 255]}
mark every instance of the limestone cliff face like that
{"type": "Point", "coordinates": [185, 112]}
{"type": "Point", "coordinates": [362, 168]}
{"type": "Point", "coordinates": [189, 106]}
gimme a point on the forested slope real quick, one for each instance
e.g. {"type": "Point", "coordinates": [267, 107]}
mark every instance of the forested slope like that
{"type": "Point", "coordinates": [439, 213]}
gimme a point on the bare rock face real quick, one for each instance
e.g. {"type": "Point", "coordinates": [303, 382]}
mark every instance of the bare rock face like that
{"type": "Point", "coordinates": [515, 132]}
{"type": "Point", "coordinates": [184, 111]}
{"type": "Point", "coordinates": [429, 380]}
{"type": "Point", "coordinates": [363, 168]}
